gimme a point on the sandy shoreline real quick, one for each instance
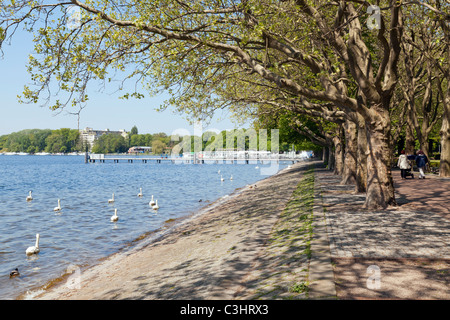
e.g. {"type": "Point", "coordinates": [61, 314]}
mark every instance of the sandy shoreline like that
{"type": "Point", "coordinates": [206, 256]}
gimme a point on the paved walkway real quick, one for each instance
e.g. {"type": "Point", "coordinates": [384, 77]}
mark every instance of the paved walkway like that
{"type": "Point", "coordinates": [429, 194]}
{"type": "Point", "coordinates": [410, 242]}
{"type": "Point", "coordinates": [419, 227]}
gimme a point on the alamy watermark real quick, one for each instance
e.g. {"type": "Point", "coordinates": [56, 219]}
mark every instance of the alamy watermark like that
{"type": "Point", "coordinates": [74, 17]}
{"type": "Point", "coordinates": [74, 280]}
{"type": "Point", "coordinates": [240, 145]}
{"type": "Point", "coordinates": [374, 21]}
{"type": "Point", "coordinates": [73, 14]}
{"type": "Point", "coordinates": [374, 280]}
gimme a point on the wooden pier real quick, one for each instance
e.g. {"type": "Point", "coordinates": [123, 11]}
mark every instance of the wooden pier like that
{"type": "Point", "coordinates": [101, 158]}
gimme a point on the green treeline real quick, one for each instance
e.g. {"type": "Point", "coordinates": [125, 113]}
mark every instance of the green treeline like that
{"type": "Point", "coordinates": [110, 143]}
{"type": "Point", "coordinates": [68, 140]}
{"type": "Point", "coordinates": [41, 140]}
{"type": "Point", "coordinates": [113, 143]}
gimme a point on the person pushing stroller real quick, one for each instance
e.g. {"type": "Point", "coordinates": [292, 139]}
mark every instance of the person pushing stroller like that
{"type": "Point", "coordinates": [404, 165]}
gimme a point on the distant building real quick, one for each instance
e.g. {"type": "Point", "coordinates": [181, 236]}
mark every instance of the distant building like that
{"type": "Point", "coordinates": [139, 149]}
{"type": "Point", "coordinates": [89, 136]}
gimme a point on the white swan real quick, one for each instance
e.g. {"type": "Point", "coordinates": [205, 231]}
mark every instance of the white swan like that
{"type": "Point", "coordinates": [29, 197]}
{"type": "Point", "coordinates": [112, 199]}
{"type": "Point", "coordinates": [34, 249]}
{"type": "Point", "coordinates": [114, 217]}
{"type": "Point", "coordinates": [231, 178]}
{"type": "Point", "coordinates": [152, 202]}
{"type": "Point", "coordinates": [221, 178]}
{"type": "Point", "coordinates": [140, 192]}
{"type": "Point", "coordinates": [58, 208]}
{"type": "Point", "coordinates": [156, 207]}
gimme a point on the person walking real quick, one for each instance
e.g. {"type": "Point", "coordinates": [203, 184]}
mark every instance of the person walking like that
{"type": "Point", "coordinates": [421, 162]}
{"type": "Point", "coordinates": [403, 164]}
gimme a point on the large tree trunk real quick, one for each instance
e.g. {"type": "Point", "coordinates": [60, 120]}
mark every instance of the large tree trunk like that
{"type": "Point", "coordinates": [361, 168]}
{"type": "Point", "coordinates": [425, 145]}
{"type": "Point", "coordinates": [331, 158]}
{"type": "Point", "coordinates": [338, 153]}
{"type": "Point", "coordinates": [330, 152]}
{"type": "Point", "coordinates": [444, 169]}
{"type": "Point", "coordinates": [350, 156]}
{"type": "Point", "coordinates": [409, 139]}
{"type": "Point", "coordinates": [428, 114]}
{"type": "Point", "coordinates": [325, 154]}
{"type": "Point", "coordinates": [380, 187]}
{"type": "Point", "coordinates": [377, 88]}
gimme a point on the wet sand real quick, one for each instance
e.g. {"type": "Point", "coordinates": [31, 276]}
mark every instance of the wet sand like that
{"type": "Point", "coordinates": [209, 256]}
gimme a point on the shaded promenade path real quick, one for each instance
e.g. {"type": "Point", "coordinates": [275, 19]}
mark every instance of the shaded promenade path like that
{"type": "Point", "coordinates": [408, 244]}
{"type": "Point", "coordinates": [429, 194]}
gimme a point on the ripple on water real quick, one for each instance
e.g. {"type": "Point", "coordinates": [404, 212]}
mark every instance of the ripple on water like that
{"type": "Point", "coordinates": [82, 232]}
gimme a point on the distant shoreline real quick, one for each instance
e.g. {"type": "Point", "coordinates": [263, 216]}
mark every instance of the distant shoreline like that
{"type": "Point", "coordinates": [42, 154]}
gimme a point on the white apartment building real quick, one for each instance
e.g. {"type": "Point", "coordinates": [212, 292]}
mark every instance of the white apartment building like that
{"type": "Point", "coordinates": [89, 135]}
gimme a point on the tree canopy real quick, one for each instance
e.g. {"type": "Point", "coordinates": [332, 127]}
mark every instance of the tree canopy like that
{"type": "Point", "coordinates": [37, 140]}
{"type": "Point", "coordinates": [330, 69]}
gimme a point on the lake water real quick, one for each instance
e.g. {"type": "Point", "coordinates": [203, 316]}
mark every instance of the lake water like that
{"type": "Point", "coordinates": [82, 232]}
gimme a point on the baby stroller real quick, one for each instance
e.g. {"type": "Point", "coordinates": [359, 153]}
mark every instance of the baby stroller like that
{"type": "Point", "coordinates": [408, 173]}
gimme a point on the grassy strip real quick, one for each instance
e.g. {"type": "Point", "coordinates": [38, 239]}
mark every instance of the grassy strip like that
{"type": "Point", "coordinates": [284, 275]}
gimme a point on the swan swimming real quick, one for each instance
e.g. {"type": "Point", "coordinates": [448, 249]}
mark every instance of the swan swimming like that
{"type": "Point", "coordinates": [152, 202]}
{"type": "Point", "coordinates": [29, 197]}
{"type": "Point", "coordinates": [114, 217]}
{"type": "Point", "coordinates": [140, 192]}
{"type": "Point", "coordinates": [156, 207]}
{"type": "Point", "coordinates": [112, 199]}
{"type": "Point", "coordinates": [34, 249]}
{"type": "Point", "coordinates": [221, 178]}
{"type": "Point", "coordinates": [231, 178]}
{"type": "Point", "coordinates": [58, 208]}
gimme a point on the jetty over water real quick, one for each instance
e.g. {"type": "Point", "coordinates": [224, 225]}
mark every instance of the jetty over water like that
{"type": "Point", "coordinates": [200, 158]}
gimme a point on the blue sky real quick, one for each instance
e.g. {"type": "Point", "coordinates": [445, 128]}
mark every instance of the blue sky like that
{"type": "Point", "coordinates": [103, 110]}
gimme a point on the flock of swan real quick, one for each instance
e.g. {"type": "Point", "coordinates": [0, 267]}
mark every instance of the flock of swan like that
{"type": "Point", "coordinates": [221, 176]}
{"type": "Point", "coordinates": [35, 249]}
{"type": "Point", "coordinates": [114, 218]}
{"type": "Point", "coordinates": [32, 250]}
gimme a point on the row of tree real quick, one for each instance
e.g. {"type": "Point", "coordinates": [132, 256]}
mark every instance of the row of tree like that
{"type": "Point", "coordinates": [111, 143]}
{"type": "Point", "coordinates": [37, 140]}
{"type": "Point", "coordinates": [68, 140]}
{"type": "Point", "coordinates": [353, 77]}
{"type": "Point", "coordinates": [237, 139]}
